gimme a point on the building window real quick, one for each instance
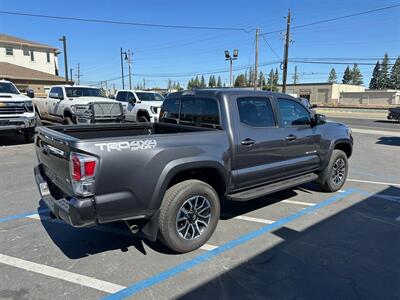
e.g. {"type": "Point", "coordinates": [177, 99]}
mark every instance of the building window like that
{"type": "Point", "coordinates": [9, 51]}
{"type": "Point", "coordinates": [32, 55]}
{"type": "Point", "coordinates": [48, 57]}
{"type": "Point", "coordinates": [26, 52]}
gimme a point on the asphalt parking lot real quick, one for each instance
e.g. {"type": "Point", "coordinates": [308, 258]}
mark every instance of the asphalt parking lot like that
{"type": "Point", "coordinates": [299, 243]}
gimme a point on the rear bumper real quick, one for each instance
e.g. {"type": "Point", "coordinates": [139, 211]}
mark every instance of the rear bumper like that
{"type": "Point", "coordinates": [392, 116]}
{"type": "Point", "coordinates": [76, 212]}
{"type": "Point", "coordinates": [16, 123]}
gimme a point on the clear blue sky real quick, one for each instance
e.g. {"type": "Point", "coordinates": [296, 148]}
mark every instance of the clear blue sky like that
{"type": "Point", "coordinates": [187, 51]}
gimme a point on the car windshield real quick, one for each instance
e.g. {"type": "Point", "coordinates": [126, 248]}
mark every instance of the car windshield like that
{"type": "Point", "coordinates": [8, 88]}
{"type": "Point", "coordinates": [73, 92]}
{"type": "Point", "coordinates": [149, 96]}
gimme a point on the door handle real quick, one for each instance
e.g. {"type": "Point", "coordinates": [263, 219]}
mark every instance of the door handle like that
{"type": "Point", "coordinates": [248, 142]}
{"type": "Point", "coordinates": [291, 137]}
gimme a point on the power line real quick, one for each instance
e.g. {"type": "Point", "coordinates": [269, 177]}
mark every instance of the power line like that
{"type": "Point", "coordinates": [336, 18]}
{"type": "Point", "coordinates": [270, 47]}
{"type": "Point", "coordinates": [333, 62]}
{"type": "Point", "coordinates": [123, 22]}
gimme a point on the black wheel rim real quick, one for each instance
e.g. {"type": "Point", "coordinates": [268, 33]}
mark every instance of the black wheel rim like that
{"type": "Point", "coordinates": [193, 217]}
{"type": "Point", "coordinates": [338, 171]}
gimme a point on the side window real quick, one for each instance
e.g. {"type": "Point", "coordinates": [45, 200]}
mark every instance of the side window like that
{"type": "Point", "coordinates": [121, 96]}
{"type": "Point", "coordinates": [60, 92]}
{"type": "Point", "coordinates": [293, 113]}
{"type": "Point", "coordinates": [256, 112]}
{"type": "Point", "coordinates": [130, 97]}
{"type": "Point", "coordinates": [170, 111]}
{"type": "Point", "coordinates": [53, 92]}
{"type": "Point", "coordinates": [199, 112]}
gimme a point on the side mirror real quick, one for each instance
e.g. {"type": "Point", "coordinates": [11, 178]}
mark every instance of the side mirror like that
{"type": "Point", "coordinates": [30, 93]}
{"type": "Point", "coordinates": [111, 97]}
{"type": "Point", "coordinates": [319, 119]}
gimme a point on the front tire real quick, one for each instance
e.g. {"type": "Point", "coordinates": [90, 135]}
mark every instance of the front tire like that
{"type": "Point", "coordinates": [189, 214]}
{"type": "Point", "coordinates": [334, 175]}
{"type": "Point", "coordinates": [143, 119]}
{"type": "Point", "coordinates": [29, 135]}
{"type": "Point", "coordinates": [68, 121]}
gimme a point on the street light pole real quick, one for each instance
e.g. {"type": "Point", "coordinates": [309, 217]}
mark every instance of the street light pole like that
{"type": "Point", "coordinates": [64, 40]}
{"type": "Point", "coordinates": [129, 65]}
{"type": "Point", "coordinates": [231, 59]}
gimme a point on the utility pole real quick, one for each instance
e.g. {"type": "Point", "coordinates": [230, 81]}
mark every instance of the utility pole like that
{"type": "Point", "coordinates": [64, 40]}
{"type": "Point", "coordinates": [129, 65]}
{"type": "Point", "coordinates": [256, 60]}
{"type": "Point", "coordinates": [70, 72]}
{"type": "Point", "coordinates": [122, 69]}
{"type": "Point", "coordinates": [286, 53]}
{"type": "Point", "coordinates": [295, 76]}
{"type": "Point", "coordinates": [79, 74]}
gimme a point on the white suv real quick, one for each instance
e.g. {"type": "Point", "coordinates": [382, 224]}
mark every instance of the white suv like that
{"type": "Point", "coordinates": [77, 104]}
{"type": "Point", "coordinates": [143, 106]}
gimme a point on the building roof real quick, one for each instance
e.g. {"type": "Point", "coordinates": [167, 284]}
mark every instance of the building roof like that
{"type": "Point", "coordinates": [4, 38]}
{"type": "Point", "coordinates": [317, 83]}
{"type": "Point", "coordinates": [14, 72]}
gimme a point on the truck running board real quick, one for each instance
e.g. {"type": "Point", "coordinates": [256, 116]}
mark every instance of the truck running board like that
{"type": "Point", "coordinates": [272, 188]}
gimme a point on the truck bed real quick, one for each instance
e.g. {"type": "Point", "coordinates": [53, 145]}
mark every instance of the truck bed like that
{"type": "Point", "coordinates": [87, 132]}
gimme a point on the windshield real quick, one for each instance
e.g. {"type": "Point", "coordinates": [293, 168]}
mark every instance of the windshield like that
{"type": "Point", "coordinates": [149, 96]}
{"type": "Point", "coordinates": [73, 92]}
{"type": "Point", "coordinates": [6, 87]}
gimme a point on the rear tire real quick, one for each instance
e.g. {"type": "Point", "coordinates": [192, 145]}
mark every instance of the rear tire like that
{"type": "Point", "coordinates": [143, 119]}
{"type": "Point", "coordinates": [334, 175]}
{"type": "Point", "coordinates": [189, 214]}
{"type": "Point", "coordinates": [68, 121]}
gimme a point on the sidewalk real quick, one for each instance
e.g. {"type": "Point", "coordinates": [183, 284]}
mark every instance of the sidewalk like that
{"type": "Point", "coordinates": [379, 114]}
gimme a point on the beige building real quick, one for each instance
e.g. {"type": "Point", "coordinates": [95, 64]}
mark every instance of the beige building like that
{"type": "Point", "coordinates": [321, 92]}
{"type": "Point", "coordinates": [29, 65]}
{"type": "Point", "coordinates": [371, 98]}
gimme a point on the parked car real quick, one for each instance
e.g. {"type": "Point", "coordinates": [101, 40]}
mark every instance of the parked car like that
{"type": "Point", "coordinates": [16, 111]}
{"type": "Point", "coordinates": [167, 179]}
{"type": "Point", "coordinates": [78, 104]}
{"type": "Point", "coordinates": [394, 114]}
{"type": "Point", "coordinates": [143, 106]}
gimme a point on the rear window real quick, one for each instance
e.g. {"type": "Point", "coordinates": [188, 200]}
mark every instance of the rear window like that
{"type": "Point", "coordinates": [202, 112]}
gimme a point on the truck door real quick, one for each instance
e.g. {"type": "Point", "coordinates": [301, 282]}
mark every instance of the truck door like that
{"type": "Point", "coordinates": [56, 95]}
{"type": "Point", "coordinates": [303, 141]}
{"type": "Point", "coordinates": [259, 142]}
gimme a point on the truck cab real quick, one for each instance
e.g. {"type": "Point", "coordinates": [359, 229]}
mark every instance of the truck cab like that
{"type": "Point", "coordinates": [142, 106]}
{"type": "Point", "coordinates": [16, 111]}
{"type": "Point", "coordinates": [78, 104]}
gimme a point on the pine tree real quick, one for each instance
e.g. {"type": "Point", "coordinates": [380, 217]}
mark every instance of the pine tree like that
{"type": "Point", "coordinates": [219, 82]}
{"type": "Point", "coordinates": [332, 76]}
{"type": "Point", "coordinates": [373, 84]}
{"type": "Point", "coordinates": [178, 87]}
{"type": "Point", "coordinates": [395, 75]}
{"type": "Point", "coordinates": [241, 81]}
{"type": "Point", "coordinates": [383, 79]}
{"type": "Point", "coordinates": [356, 76]}
{"type": "Point", "coordinates": [202, 82]}
{"type": "Point", "coordinates": [196, 82]}
{"type": "Point", "coordinates": [276, 77]}
{"type": "Point", "coordinates": [210, 81]}
{"type": "Point", "coordinates": [261, 79]}
{"type": "Point", "coordinates": [346, 76]}
{"type": "Point", "coordinates": [295, 76]}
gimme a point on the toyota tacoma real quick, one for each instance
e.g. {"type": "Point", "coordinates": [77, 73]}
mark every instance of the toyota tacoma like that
{"type": "Point", "coordinates": [168, 179]}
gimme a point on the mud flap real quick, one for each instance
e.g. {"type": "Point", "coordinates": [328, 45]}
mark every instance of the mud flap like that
{"type": "Point", "coordinates": [150, 229]}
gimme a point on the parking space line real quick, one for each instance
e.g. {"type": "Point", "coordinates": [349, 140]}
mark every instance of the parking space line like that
{"type": "Point", "coordinates": [208, 247]}
{"type": "Point", "coordinates": [189, 264]}
{"type": "Point", "coordinates": [298, 202]}
{"type": "Point", "coordinates": [21, 216]}
{"type": "Point", "coordinates": [82, 280]}
{"type": "Point", "coordinates": [256, 220]}
{"type": "Point", "coordinates": [373, 182]}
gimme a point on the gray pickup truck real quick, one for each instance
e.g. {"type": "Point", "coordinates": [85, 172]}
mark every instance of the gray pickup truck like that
{"type": "Point", "coordinates": [167, 179]}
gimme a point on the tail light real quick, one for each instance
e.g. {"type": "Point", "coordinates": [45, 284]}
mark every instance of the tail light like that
{"type": "Point", "coordinates": [83, 169]}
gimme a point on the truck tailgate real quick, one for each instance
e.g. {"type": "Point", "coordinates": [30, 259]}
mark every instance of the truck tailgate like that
{"type": "Point", "coordinates": [53, 152]}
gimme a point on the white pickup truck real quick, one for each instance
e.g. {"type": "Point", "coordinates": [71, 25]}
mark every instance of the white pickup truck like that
{"type": "Point", "coordinates": [143, 106]}
{"type": "Point", "coordinates": [68, 104]}
{"type": "Point", "coordinates": [16, 111]}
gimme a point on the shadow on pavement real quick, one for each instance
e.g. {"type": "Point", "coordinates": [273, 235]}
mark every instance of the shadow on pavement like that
{"type": "Point", "coordinates": [9, 139]}
{"type": "Point", "coordinates": [385, 121]}
{"type": "Point", "coordinates": [389, 140]}
{"type": "Point", "coordinates": [353, 254]}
